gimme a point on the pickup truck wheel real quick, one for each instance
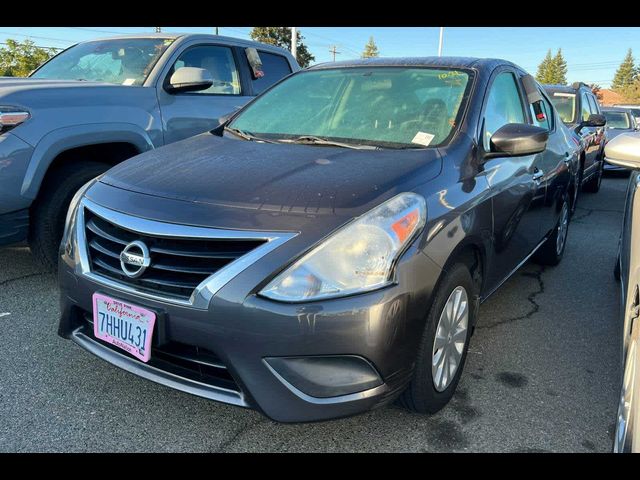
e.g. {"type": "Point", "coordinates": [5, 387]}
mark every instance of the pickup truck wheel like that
{"type": "Point", "coordinates": [551, 252]}
{"type": "Point", "coordinates": [444, 344]}
{"type": "Point", "coordinates": [49, 211]}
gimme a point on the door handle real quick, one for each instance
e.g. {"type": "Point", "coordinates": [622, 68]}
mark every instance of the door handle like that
{"type": "Point", "coordinates": [567, 158]}
{"type": "Point", "coordinates": [537, 175]}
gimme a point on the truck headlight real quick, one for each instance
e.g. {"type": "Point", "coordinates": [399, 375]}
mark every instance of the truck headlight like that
{"type": "Point", "coordinates": [11, 117]}
{"type": "Point", "coordinates": [359, 257]}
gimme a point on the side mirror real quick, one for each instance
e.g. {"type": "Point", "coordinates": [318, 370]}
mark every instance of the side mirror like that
{"type": "Point", "coordinates": [595, 120]}
{"type": "Point", "coordinates": [190, 79]}
{"type": "Point", "coordinates": [624, 151]}
{"type": "Point", "coordinates": [517, 139]}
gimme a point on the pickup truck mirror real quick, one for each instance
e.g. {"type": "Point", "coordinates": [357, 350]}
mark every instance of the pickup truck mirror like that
{"type": "Point", "coordinates": [517, 139]}
{"type": "Point", "coordinates": [624, 151]}
{"type": "Point", "coordinates": [594, 120]}
{"type": "Point", "coordinates": [190, 79]}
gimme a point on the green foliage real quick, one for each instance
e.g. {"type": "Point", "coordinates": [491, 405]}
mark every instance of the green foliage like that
{"type": "Point", "coordinates": [553, 69]}
{"type": "Point", "coordinates": [18, 59]}
{"type": "Point", "coordinates": [370, 49]}
{"type": "Point", "coordinates": [281, 36]}
{"type": "Point", "coordinates": [626, 75]}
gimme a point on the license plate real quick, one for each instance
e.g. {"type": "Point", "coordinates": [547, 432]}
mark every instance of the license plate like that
{"type": "Point", "coordinates": [126, 326]}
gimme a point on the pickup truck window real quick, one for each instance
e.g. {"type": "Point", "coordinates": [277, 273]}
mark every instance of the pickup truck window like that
{"type": "Point", "coordinates": [121, 61]}
{"type": "Point", "coordinates": [274, 67]}
{"type": "Point", "coordinates": [586, 108]}
{"type": "Point", "coordinates": [565, 104]}
{"type": "Point", "coordinates": [219, 62]}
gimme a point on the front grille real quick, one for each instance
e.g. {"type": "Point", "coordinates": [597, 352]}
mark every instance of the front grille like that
{"type": "Point", "coordinates": [177, 266]}
{"type": "Point", "coordinates": [187, 361]}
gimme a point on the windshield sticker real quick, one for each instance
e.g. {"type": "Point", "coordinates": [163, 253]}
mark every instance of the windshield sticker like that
{"type": "Point", "coordinates": [129, 81]}
{"type": "Point", "coordinates": [423, 138]}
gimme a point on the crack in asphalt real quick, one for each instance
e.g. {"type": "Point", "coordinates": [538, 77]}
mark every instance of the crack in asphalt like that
{"type": "Point", "coordinates": [29, 275]}
{"type": "Point", "coordinates": [531, 298]}
{"type": "Point", "coordinates": [241, 431]}
{"type": "Point", "coordinates": [589, 211]}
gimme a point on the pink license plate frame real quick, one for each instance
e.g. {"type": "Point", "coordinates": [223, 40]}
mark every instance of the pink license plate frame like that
{"type": "Point", "coordinates": [124, 325]}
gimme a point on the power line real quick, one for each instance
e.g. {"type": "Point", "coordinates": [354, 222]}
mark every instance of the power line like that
{"type": "Point", "coordinates": [101, 31]}
{"type": "Point", "coordinates": [334, 51]}
{"type": "Point", "coordinates": [36, 36]}
{"type": "Point", "coordinates": [39, 46]}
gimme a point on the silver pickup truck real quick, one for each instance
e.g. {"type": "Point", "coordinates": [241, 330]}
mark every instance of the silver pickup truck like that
{"type": "Point", "coordinates": [100, 102]}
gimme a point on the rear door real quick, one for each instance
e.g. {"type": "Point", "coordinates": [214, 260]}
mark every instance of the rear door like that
{"type": "Point", "coordinates": [554, 162]}
{"type": "Point", "coordinates": [190, 113]}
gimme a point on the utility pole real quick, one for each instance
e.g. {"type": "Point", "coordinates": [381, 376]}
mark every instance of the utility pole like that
{"type": "Point", "coordinates": [294, 42]}
{"type": "Point", "coordinates": [216, 30]}
{"type": "Point", "coordinates": [158, 29]}
{"type": "Point", "coordinates": [440, 44]}
{"type": "Point", "coordinates": [334, 51]}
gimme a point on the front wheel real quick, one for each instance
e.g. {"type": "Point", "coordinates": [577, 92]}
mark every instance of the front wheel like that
{"type": "Point", "coordinates": [444, 344]}
{"type": "Point", "coordinates": [551, 252]}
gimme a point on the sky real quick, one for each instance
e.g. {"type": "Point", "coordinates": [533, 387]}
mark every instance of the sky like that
{"type": "Point", "coordinates": [592, 53]}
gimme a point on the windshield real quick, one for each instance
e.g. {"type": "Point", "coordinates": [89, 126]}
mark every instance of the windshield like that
{"type": "Point", "coordinates": [617, 120]}
{"type": "Point", "coordinates": [382, 106]}
{"type": "Point", "coordinates": [565, 104]}
{"type": "Point", "coordinates": [122, 61]}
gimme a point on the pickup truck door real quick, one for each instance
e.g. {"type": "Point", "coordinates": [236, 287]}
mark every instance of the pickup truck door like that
{"type": "Point", "coordinates": [190, 113]}
{"type": "Point", "coordinates": [592, 136]}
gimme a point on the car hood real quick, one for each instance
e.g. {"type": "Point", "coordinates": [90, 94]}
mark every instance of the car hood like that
{"type": "Point", "coordinates": [230, 183]}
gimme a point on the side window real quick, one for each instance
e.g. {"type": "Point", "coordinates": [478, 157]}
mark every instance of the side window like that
{"type": "Point", "coordinates": [586, 108]}
{"type": "Point", "coordinates": [547, 109]}
{"type": "Point", "coordinates": [220, 63]}
{"type": "Point", "coordinates": [594, 104]}
{"type": "Point", "coordinates": [274, 67]}
{"type": "Point", "coordinates": [504, 105]}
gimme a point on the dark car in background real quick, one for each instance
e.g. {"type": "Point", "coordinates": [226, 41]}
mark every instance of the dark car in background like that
{"type": "Point", "coordinates": [578, 108]}
{"type": "Point", "coordinates": [619, 120]}
{"type": "Point", "coordinates": [325, 250]}
{"type": "Point", "coordinates": [635, 110]}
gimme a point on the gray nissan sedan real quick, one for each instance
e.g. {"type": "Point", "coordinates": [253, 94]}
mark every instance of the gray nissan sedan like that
{"type": "Point", "coordinates": [323, 251]}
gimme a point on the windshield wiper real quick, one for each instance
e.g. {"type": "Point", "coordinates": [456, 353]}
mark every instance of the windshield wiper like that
{"type": "Point", "coordinates": [313, 140]}
{"type": "Point", "coordinates": [246, 135]}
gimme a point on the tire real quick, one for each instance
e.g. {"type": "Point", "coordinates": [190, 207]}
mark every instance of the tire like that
{"type": "Point", "coordinates": [49, 211]}
{"type": "Point", "coordinates": [593, 184]}
{"type": "Point", "coordinates": [551, 252]}
{"type": "Point", "coordinates": [422, 395]}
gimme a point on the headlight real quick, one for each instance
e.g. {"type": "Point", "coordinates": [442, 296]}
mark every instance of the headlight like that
{"type": "Point", "coordinates": [67, 244]}
{"type": "Point", "coordinates": [11, 117]}
{"type": "Point", "coordinates": [357, 258]}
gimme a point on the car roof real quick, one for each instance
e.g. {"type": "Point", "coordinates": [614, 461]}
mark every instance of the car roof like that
{"type": "Point", "coordinates": [194, 36]}
{"type": "Point", "coordinates": [566, 88]}
{"type": "Point", "coordinates": [449, 62]}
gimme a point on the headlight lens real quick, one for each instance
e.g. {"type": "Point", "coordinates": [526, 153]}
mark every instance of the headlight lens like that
{"type": "Point", "coordinates": [11, 117]}
{"type": "Point", "coordinates": [70, 222]}
{"type": "Point", "coordinates": [359, 257]}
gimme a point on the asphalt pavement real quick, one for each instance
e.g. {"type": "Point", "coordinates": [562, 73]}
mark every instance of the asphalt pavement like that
{"type": "Point", "coordinates": [542, 372]}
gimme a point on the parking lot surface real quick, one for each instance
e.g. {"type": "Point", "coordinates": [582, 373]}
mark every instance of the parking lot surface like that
{"type": "Point", "coordinates": [542, 372]}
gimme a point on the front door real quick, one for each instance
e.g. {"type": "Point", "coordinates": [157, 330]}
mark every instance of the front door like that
{"type": "Point", "coordinates": [191, 113]}
{"type": "Point", "coordinates": [516, 183]}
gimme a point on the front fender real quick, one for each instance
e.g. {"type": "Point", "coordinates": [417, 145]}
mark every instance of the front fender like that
{"type": "Point", "coordinates": [66, 138]}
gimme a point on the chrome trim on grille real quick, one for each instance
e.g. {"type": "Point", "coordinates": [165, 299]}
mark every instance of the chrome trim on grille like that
{"type": "Point", "coordinates": [205, 291]}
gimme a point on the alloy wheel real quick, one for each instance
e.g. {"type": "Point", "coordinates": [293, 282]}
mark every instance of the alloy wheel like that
{"type": "Point", "coordinates": [449, 342]}
{"type": "Point", "coordinates": [563, 227]}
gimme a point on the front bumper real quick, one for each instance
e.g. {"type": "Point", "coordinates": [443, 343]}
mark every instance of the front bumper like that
{"type": "Point", "coordinates": [234, 350]}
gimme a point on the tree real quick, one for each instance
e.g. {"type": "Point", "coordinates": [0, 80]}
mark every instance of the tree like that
{"type": "Point", "coordinates": [631, 93]}
{"type": "Point", "coordinates": [18, 59]}
{"type": "Point", "coordinates": [370, 49]}
{"type": "Point", "coordinates": [626, 74]}
{"type": "Point", "coordinates": [544, 69]}
{"type": "Point", "coordinates": [560, 68]}
{"type": "Point", "coordinates": [281, 37]}
{"type": "Point", "coordinates": [553, 69]}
